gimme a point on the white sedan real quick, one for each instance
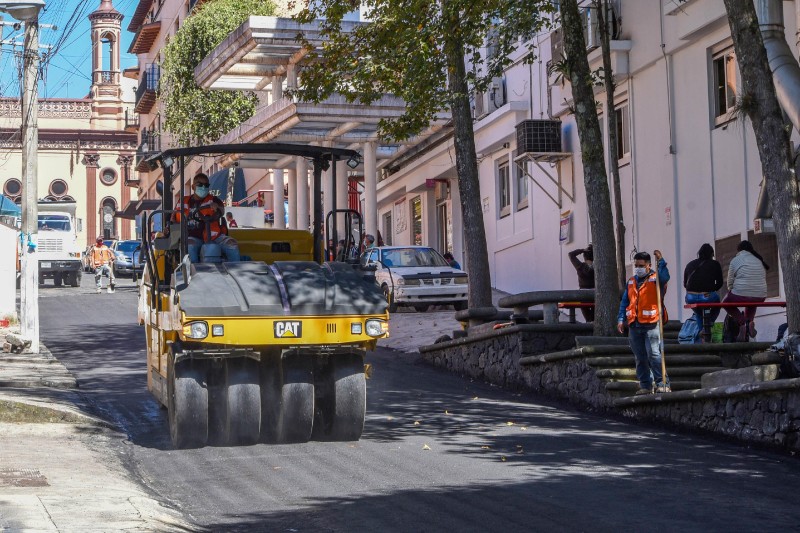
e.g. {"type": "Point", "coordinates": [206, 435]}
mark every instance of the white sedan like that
{"type": "Point", "coordinates": [416, 276]}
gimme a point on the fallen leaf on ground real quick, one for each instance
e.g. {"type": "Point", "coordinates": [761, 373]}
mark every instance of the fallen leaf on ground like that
{"type": "Point", "coordinates": [426, 447]}
{"type": "Point", "coordinates": [509, 423]}
{"type": "Point", "coordinates": [474, 397]}
{"type": "Point", "coordinates": [416, 422]}
{"type": "Point", "coordinates": [446, 412]}
{"type": "Point", "coordinates": [389, 418]}
{"type": "Point", "coordinates": [503, 458]}
{"type": "Point", "coordinates": [485, 448]}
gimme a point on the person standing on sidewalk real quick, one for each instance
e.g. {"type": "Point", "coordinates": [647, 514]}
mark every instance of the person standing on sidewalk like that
{"type": "Point", "coordinates": [639, 309]}
{"type": "Point", "coordinates": [585, 270]}
{"type": "Point", "coordinates": [102, 260]}
{"type": "Point", "coordinates": [747, 282]}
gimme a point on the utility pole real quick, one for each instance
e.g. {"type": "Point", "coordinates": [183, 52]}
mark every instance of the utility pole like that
{"type": "Point", "coordinates": [27, 11]}
{"type": "Point", "coordinates": [29, 297]}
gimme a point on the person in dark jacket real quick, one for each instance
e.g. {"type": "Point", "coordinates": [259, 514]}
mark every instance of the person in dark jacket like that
{"type": "Point", "coordinates": [702, 278]}
{"type": "Point", "coordinates": [585, 270]}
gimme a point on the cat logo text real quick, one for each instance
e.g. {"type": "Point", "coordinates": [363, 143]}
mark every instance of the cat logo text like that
{"type": "Point", "coordinates": [288, 329]}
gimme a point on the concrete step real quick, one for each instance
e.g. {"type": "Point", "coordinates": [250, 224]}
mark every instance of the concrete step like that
{"type": "Point", "coordinates": [632, 386]}
{"type": "Point", "coordinates": [589, 340]}
{"type": "Point", "coordinates": [623, 361]}
{"type": "Point", "coordinates": [672, 371]}
{"type": "Point", "coordinates": [767, 358]}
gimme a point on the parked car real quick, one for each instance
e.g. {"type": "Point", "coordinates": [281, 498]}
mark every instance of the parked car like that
{"type": "Point", "coordinates": [127, 258]}
{"type": "Point", "coordinates": [416, 276]}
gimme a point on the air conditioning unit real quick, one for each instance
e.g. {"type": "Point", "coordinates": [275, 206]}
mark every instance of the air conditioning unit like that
{"type": "Point", "coordinates": [493, 99]}
{"type": "Point", "coordinates": [539, 136]}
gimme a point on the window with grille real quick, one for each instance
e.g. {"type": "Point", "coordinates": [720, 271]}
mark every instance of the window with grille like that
{"type": "Point", "coordinates": [503, 190]}
{"type": "Point", "coordinates": [623, 131]}
{"type": "Point", "coordinates": [725, 85]}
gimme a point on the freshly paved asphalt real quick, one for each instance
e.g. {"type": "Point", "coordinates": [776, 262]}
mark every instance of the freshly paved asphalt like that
{"type": "Point", "coordinates": [439, 453]}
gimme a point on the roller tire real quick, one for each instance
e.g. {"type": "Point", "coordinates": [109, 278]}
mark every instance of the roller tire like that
{"type": "Point", "coordinates": [461, 306]}
{"type": "Point", "coordinates": [389, 299]}
{"type": "Point", "coordinates": [296, 416]}
{"type": "Point", "coordinates": [421, 308]}
{"type": "Point", "coordinates": [243, 417]}
{"type": "Point", "coordinates": [349, 397]}
{"type": "Point", "coordinates": [57, 280]}
{"type": "Point", "coordinates": [75, 279]}
{"type": "Point", "coordinates": [187, 395]}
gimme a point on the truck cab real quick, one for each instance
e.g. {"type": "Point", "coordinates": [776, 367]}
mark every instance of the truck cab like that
{"type": "Point", "coordinates": [57, 248]}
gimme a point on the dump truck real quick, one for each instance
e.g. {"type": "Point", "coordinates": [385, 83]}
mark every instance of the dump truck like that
{"type": "Point", "coordinates": [267, 349]}
{"type": "Point", "coordinates": [57, 249]}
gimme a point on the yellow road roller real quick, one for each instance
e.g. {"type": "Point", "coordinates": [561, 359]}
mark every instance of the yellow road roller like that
{"type": "Point", "coordinates": [269, 348]}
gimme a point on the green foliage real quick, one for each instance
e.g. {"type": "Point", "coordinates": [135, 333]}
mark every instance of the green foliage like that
{"type": "Point", "coordinates": [402, 51]}
{"type": "Point", "coordinates": [195, 115]}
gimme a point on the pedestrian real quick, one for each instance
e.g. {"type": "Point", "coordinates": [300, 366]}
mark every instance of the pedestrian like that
{"type": "Point", "coordinates": [451, 260]}
{"type": "Point", "coordinates": [585, 270]}
{"type": "Point", "coordinates": [330, 251]}
{"type": "Point", "coordinates": [747, 282]}
{"type": "Point", "coordinates": [369, 241]}
{"type": "Point", "coordinates": [231, 221]}
{"type": "Point", "coordinates": [702, 278]}
{"type": "Point", "coordinates": [640, 310]}
{"type": "Point", "coordinates": [102, 260]}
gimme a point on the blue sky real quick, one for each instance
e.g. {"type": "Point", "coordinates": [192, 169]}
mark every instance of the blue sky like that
{"type": "Point", "coordinates": [68, 72]}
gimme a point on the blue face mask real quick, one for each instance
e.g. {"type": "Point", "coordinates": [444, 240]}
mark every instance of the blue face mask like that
{"type": "Point", "coordinates": [640, 272]}
{"type": "Point", "coordinates": [201, 191]}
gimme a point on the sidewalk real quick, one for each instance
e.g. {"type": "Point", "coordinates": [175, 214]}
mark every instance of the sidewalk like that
{"type": "Point", "coordinates": [61, 468]}
{"type": "Point", "coordinates": [408, 330]}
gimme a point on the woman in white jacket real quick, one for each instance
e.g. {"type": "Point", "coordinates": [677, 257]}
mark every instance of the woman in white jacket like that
{"type": "Point", "coordinates": [747, 282]}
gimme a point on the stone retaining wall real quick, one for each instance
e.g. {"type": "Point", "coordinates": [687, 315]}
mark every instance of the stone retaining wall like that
{"type": "Point", "coordinates": [764, 413]}
{"type": "Point", "coordinates": [494, 357]}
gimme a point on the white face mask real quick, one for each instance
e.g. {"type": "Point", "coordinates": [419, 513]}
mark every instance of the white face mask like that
{"type": "Point", "coordinates": [640, 272]}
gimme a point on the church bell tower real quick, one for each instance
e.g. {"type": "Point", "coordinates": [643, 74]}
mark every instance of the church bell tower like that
{"type": "Point", "coordinates": [106, 91]}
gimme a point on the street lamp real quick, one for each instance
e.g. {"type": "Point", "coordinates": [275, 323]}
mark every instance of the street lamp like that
{"type": "Point", "coordinates": [23, 10]}
{"type": "Point", "coordinates": [27, 11]}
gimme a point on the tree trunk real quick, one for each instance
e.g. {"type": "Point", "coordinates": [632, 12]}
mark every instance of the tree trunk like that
{"type": "Point", "coordinates": [604, 10]}
{"type": "Point", "coordinates": [594, 172]}
{"type": "Point", "coordinates": [760, 102]}
{"type": "Point", "coordinates": [477, 256]}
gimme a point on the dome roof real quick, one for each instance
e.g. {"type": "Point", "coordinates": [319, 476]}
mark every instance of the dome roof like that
{"type": "Point", "coordinates": [106, 6]}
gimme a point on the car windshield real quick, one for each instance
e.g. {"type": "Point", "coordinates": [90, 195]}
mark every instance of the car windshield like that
{"type": "Point", "coordinates": [127, 246]}
{"type": "Point", "coordinates": [413, 257]}
{"type": "Point", "coordinates": [54, 223]}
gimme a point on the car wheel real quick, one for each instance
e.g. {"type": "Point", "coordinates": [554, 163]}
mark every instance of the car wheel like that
{"type": "Point", "coordinates": [389, 298]}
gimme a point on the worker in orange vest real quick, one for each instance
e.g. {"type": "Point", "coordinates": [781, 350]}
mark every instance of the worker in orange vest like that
{"type": "Point", "coordinates": [102, 259]}
{"type": "Point", "coordinates": [206, 204]}
{"type": "Point", "coordinates": [639, 309]}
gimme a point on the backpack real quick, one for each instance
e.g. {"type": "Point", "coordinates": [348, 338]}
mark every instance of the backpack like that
{"type": "Point", "coordinates": [730, 329]}
{"type": "Point", "coordinates": [690, 331]}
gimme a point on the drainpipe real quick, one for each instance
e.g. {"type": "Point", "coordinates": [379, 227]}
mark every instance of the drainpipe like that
{"type": "Point", "coordinates": [785, 74]}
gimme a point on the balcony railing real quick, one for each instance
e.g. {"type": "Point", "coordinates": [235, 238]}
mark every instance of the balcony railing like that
{"type": "Point", "coordinates": [147, 92]}
{"type": "Point", "coordinates": [106, 77]}
{"type": "Point", "coordinates": [131, 121]}
{"type": "Point", "coordinates": [150, 145]}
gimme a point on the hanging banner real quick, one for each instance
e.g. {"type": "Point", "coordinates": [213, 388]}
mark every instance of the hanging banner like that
{"type": "Point", "coordinates": [565, 228]}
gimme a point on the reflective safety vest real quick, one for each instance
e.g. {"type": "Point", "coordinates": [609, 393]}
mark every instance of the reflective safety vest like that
{"type": "Point", "coordinates": [643, 301]}
{"type": "Point", "coordinates": [206, 206]}
{"type": "Point", "coordinates": [101, 256]}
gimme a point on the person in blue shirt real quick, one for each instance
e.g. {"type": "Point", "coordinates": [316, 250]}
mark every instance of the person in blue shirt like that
{"type": "Point", "coordinates": [451, 260]}
{"type": "Point", "coordinates": [639, 309]}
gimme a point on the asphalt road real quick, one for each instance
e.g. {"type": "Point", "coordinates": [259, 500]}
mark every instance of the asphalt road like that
{"type": "Point", "coordinates": [439, 453]}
